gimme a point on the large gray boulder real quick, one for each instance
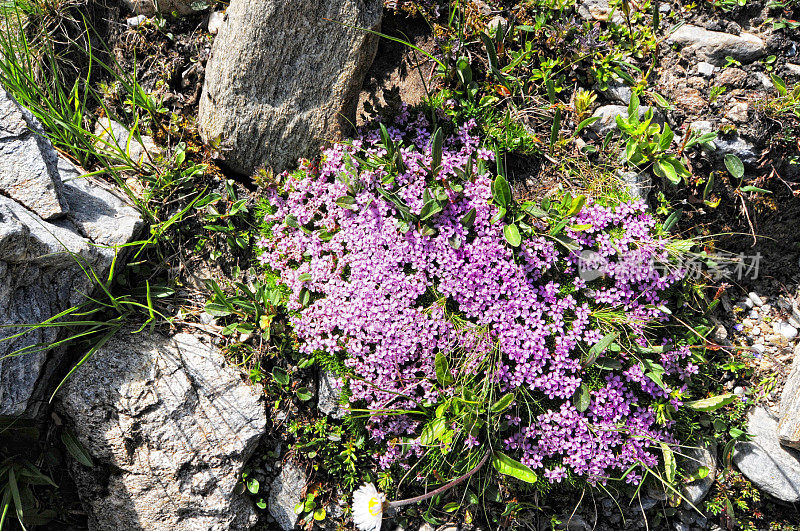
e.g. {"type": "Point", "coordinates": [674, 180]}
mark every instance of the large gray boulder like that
{"type": "Point", "coordinates": [284, 78]}
{"type": "Point", "coordinates": [789, 424]}
{"type": "Point", "coordinates": [28, 163]}
{"type": "Point", "coordinates": [45, 264]}
{"type": "Point", "coordinates": [771, 467]}
{"type": "Point", "coordinates": [714, 46]}
{"type": "Point", "coordinates": [169, 424]}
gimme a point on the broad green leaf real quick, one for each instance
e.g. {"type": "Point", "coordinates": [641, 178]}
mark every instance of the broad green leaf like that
{"type": "Point", "coordinates": [665, 170]}
{"type": "Point", "coordinates": [577, 205]}
{"type": "Point", "coordinates": [304, 394]}
{"type": "Point", "coordinates": [712, 403]}
{"type": "Point", "coordinates": [535, 211]}
{"type": "Point", "coordinates": [511, 233]}
{"type": "Point", "coordinates": [633, 109]}
{"type": "Point", "coordinates": [503, 403]}
{"type": "Point", "coordinates": [666, 138]}
{"type": "Point", "coordinates": [320, 514]}
{"type": "Point", "coordinates": [443, 375]}
{"type": "Point", "coordinates": [780, 85]}
{"type": "Point", "coordinates": [709, 187]}
{"type": "Point", "coordinates": [600, 346]}
{"type": "Point", "coordinates": [490, 50]}
{"type": "Point", "coordinates": [433, 431]}
{"type": "Point", "coordinates": [469, 218]}
{"type": "Point", "coordinates": [734, 165]}
{"type": "Point", "coordinates": [253, 485]}
{"type": "Point", "coordinates": [582, 398]}
{"type": "Point", "coordinates": [585, 123]}
{"type": "Point", "coordinates": [430, 209]}
{"type": "Point", "coordinates": [291, 221]}
{"type": "Point", "coordinates": [347, 202]}
{"type": "Point", "coordinates": [501, 191]}
{"type": "Point", "coordinates": [511, 467]}
{"type": "Point", "coordinates": [280, 376]}
{"type": "Point", "coordinates": [76, 449]}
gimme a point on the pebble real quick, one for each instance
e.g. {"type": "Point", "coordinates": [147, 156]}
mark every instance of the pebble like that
{"type": "Point", "coordinates": [747, 303]}
{"type": "Point", "coordinates": [760, 349]}
{"type": "Point", "coordinates": [756, 331]}
{"type": "Point", "coordinates": [753, 296]}
{"type": "Point", "coordinates": [738, 390]}
{"type": "Point", "coordinates": [784, 329]}
{"type": "Point", "coordinates": [748, 323]}
{"type": "Point", "coordinates": [753, 314]}
{"type": "Point", "coordinates": [705, 69]}
{"type": "Point", "coordinates": [135, 22]}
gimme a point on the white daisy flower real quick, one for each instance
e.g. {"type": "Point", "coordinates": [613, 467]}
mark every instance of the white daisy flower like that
{"type": "Point", "coordinates": [368, 505]}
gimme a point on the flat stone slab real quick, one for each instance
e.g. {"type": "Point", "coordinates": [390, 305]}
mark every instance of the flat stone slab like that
{"type": "Point", "coordinates": [714, 46]}
{"type": "Point", "coordinates": [771, 467]}
{"type": "Point", "coordinates": [789, 424]}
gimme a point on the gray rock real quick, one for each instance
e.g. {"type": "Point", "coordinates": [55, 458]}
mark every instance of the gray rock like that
{"type": "Point", "coordinates": [328, 397]}
{"type": "Point", "coordinates": [28, 162]}
{"type": "Point", "coordinates": [40, 276]}
{"type": "Point", "coordinates": [135, 22]}
{"type": "Point", "coordinates": [789, 425]}
{"type": "Point", "coordinates": [757, 300]}
{"type": "Point", "coordinates": [732, 143]}
{"type": "Point", "coordinates": [284, 78]}
{"type": "Point", "coordinates": [113, 135]}
{"type": "Point", "coordinates": [705, 69]}
{"type": "Point", "coordinates": [284, 493]}
{"type": "Point", "coordinates": [608, 116]}
{"type": "Point", "coordinates": [599, 10]}
{"type": "Point", "coordinates": [617, 91]}
{"type": "Point", "coordinates": [181, 7]}
{"type": "Point", "coordinates": [714, 46]}
{"type": "Point", "coordinates": [169, 424]}
{"type": "Point", "coordinates": [771, 467]}
{"type": "Point", "coordinates": [691, 460]}
{"type": "Point", "coordinates": [638, 184]}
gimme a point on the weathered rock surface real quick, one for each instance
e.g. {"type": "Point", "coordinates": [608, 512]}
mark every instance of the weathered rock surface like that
{"type": "Point", "coordinates": [608, 116]}
{"type": "Point", "coordinates": [771, 467]}
{"type": "Point", "coordinates": [172, 423]}
{"type": "Point", "coordinates": [789, 425]}
{"type": "Point", "coordinates": [692, 459]}
{"type": "Point", "coordinates": [284, 78]}
{"type": "Point", "coordinates": [714, 46]}
{"type": "Point", "coordinates": [284, 493]}
{"type": "Point", "coordinates": [731, 143]}
{"type": "Point", "coordinates": [328, 395]}
{"type": "Point", "coordinates": [113, 137]}
{"type": "Point", "coordinates": [40, 275]}
{"type": "Point", "coordinates": [181, 7]}
{"type": "Point", "coordinates": [28, 163]}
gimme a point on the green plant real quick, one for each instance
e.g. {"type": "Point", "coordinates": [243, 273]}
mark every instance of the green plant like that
{"type": "Point", "coordinates": [18, 478]}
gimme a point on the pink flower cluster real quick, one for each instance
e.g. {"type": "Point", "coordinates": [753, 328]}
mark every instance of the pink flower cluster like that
{"type": "Point", "coordinates": [391, 299]}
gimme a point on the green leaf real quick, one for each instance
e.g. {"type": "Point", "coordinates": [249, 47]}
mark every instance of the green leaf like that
{"type": "Point", "coordinates": [608, 364]}
{"type": "Point", "coordinates": [261, 503]}
{"type": "Point", "coordinates": [304, 394]}
{"type": "Point", "coordinates": [666, 138]}
{"type": "Point", "coordinates": [585, 123]}
{"type": "Point", "coordinates": [304, 277]}
{"type": "Point", "coordinates": [76, 449]}
{"type": "Point", "coordinates": [451, 507]}
{"type": "Point", "coordinates": [469, 218]}
{"type": "Point", "coordinates": [280, 376]}
{"type": "Point", "coordinates": [780, 85]}
{"type": "Point", "coordinates": [665, 170]}
{"type": "Point", "coordinates": [433, 431]}
{"type": "Point", "coordinates": [672, 219]}
{"type": "Point", "coordinates": [709, 187]}
{"type": "Point", "coordinates": [511, 467]}
{"type": "Point", "coordinates": [535, 211]}
{"type": "Point", "coordinates": [490, 50]}
{"type": "Point", "coordinates": [712, 403]}
{"type": "Point", "coordinates": [511, 233]}
{"type": "Point", "coordinates": [582, 398]}
{"type": "Point", "coordinates": [436, 151]}
{"type": "Point", "coordinates": [503, 403]}
{"type": "Point", "coordinates": [734, 165]}
{"type": "Point", "coordinates": [14, 488]}
{"type": "Point", "coordinates": [599, 347]}
{"type": "Point", "coordinates": [633, 109]}
{"type": "Point", "coordinates": [556, 128]}
{"type": "Point", "coordinates": [669, 463]}
{"type": "Point", "coordinates": [443, 375]}
{"type": "Point", "coordinates": [291, 221]}
{"type": "Point", "coordinates": [430, 209]}
{"type": "Point", "coordinates": [320, 514]}
{"type": "Point", "coordinates": [501, 191]}
{"type": "Point", "coordinates": [749, 188]}
{"type": "Point", "coordinates": [253, 485]}
{"type": "Point", "coordinates": [347, 202]}
{"type": "Point", "coordinates": [387, 141]}
{"type": "Point", "coordinates": [577, 205]}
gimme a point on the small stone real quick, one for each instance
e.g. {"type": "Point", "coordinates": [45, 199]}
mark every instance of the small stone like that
{"type": "Point", "coordinates": [748, 303]}
{"type": "Point", "coordinates": [732, 78]}
{"type": "Point", "coordinates": [738, 390]}
{"type": "Point", "coordinates": [135, 22]}
{"type": "Point", "coordinates": [756, 331]}
{"type": "Point", "coordinates": [720, 333]}
{"type": "Point", "coordinates": [786, 330]}
{"type": "Point", "coordinates": [738, 112]}
{"type": "Point", "coordinates": [758, 348]}
{"type": "Point", "coordinates": [757, 300]}
{"type": "Point", "coordinates": [753, 314]}
{"type": "Point", "coordinates": [680, 526]}
{"type": "Point", "coordinates": [497, 25]}
{"type": "Point", "coordinates": [789, 424]}
{"type": "Point", "coordinates": [206, 318]}
{"type": "Point", "coordinates": [426, 527]}
{"type": "Point", "coordinates": [748, 323]}
{"type": "Point", "coordinates": [705, 69]}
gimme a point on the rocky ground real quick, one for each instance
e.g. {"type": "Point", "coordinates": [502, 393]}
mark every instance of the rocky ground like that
{"type": "Point", "coordinates": [161, 431]}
